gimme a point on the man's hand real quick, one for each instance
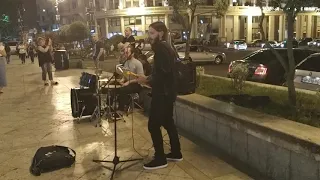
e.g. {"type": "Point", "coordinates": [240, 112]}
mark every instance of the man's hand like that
{"type": "Point", "coordinates": [126, 83]}
{"type": "Point", "coordinates": [142, 79]}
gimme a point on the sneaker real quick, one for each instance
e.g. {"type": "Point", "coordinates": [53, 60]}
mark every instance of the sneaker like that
{"type": "Point", "coordinates": [156, 164]}
{"type": "Point", "coordinates": [54, 83]}
{"type": "Point", "coordinates": [46, 84]}
{"type": "Point", "coordinates": [174, 157]}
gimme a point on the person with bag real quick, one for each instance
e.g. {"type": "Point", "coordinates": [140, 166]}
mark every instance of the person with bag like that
{"type": "Point", "coordinates": [3, 79]}
{"type": "Point", "coordinates": [164, 93]}
{"type": "Point", "coordinates": [45, 60]}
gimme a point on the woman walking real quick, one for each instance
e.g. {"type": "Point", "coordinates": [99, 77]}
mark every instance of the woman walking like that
{"type": "Point", "coordinates": [3, 79]}
{"type": "Point", "coordinates": [45, 60]}
{"type": "Point", "coordinates": [22, 52]}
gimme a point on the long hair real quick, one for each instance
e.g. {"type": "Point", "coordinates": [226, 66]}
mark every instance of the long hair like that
{"type": "Point", "coordinates": [160, 27]}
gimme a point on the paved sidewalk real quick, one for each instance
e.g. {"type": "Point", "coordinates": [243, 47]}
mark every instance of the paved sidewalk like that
{"type": "Point", "coordinates": [32, 116]}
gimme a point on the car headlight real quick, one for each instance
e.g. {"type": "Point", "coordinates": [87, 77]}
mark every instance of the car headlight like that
{"type": "Point", "coordinates": [282, 45]}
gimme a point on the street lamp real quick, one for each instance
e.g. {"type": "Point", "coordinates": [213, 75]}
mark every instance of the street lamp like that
{"type": "Point", "coordinates": [57, 2]}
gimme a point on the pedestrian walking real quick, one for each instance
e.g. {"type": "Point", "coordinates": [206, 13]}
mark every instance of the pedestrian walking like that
{"type": "Point", "coordinates": [22, 50]}
{"type": "Point", "coordinates": [3, 78]}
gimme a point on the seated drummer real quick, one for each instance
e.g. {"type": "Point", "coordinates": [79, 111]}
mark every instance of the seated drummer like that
{"type": "Point", "coordinates": [129, 82]}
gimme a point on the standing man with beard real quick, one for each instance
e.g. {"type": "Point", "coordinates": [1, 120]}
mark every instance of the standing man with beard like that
{"type": "Point", "coordinates": [98, 49]}
{"type": "Point", "coordinates": [164, 95]}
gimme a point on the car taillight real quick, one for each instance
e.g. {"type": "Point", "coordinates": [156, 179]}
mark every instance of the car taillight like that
{"type": "Point", "coordinates": [261, 70]}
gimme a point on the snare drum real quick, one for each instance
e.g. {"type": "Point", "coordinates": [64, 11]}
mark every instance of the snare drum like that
{"type": "Point", "coordinates": [82, 98]}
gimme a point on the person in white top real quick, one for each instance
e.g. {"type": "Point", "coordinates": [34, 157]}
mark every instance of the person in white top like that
{"type": "Point", "coordinates": [22, 49]}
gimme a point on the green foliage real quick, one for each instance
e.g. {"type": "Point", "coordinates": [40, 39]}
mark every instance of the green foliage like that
{"type": "Point", "coordinates": [221, 7]}
{"type": "Point", "coordinates": [308, 104]}
{"type": "Point", "coordinates": [78, 31]}
{"type": "Point", "coordinates": [239, 75]}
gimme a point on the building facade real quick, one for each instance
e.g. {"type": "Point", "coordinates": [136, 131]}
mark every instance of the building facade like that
{"type": "Point", "coordinates": [240, 22]}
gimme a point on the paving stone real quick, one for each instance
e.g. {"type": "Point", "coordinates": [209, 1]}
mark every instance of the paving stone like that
{"type": "Point", "coordinates": [33, 116]}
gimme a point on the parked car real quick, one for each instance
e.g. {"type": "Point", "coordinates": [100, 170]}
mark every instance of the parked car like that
{"type": "Point", "coordinates": [272, 44]}
{"type": "Point", "coordinates": [13, 46]}
{"type": "Point", "coordinates": [264, 67]}
{"type": "Point", "coordinates": [305, 41]}
{"type": "Point", "coordinates": [283, 44]}
{"type": "Point", "coordinates": [237, 45]}
{"type": "Point", "coordinates": [198, 53]}
{"type": "Point", "coordinates": [314, 43]}
{"type": "Point", "coordinates": [308, 73]}
{"type": "Point", "coordinates": [256, 43]}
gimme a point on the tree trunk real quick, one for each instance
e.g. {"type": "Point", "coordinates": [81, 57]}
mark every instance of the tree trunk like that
{"type": "Point", "coordinates": [291, 70]}
{"type": "Point", "coordinates": [187, 53]}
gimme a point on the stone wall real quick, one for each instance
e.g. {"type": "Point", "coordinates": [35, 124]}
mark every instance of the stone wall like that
{"type": "Point", "coordinates": [279, 148]}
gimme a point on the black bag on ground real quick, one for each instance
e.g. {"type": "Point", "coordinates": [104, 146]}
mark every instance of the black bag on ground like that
{"type": "Point", "coordinates": [52, 158]}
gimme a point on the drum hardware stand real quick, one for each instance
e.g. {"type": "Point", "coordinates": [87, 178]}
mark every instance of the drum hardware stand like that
{"type": "Point", "coordinates": [116, 158]}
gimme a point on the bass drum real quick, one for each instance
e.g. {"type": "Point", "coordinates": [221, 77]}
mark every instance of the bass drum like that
{"type": "Point", "coordinates": [82, 98]}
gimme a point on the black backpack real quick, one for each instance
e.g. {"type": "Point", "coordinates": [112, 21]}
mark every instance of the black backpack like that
{"type": "Point", "coordinates": [52, 158]}
{"type": "Point", "coordinates": [184, 71]}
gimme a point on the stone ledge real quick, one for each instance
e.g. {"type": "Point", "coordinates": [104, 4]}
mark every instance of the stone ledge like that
{"type": "Point", "coordinates": [307, 137]}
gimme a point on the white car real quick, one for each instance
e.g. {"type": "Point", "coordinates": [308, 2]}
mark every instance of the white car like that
{"type": "Point", "coordinates": [272, 44]}
{"type": "Point", "coordinates": [13, 46]}
{"type": "Point", "coordinates": [314, 43]}
{"type": "Point", "coordinates": [198, 53]}
{"type": "Point", "coordinates": [308, 73]}
{"type": "Point", "coordinates": [237, 45]}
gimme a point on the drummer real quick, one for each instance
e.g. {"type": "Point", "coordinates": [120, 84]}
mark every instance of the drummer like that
{"type": "Point", "coordinates": [129, 82]}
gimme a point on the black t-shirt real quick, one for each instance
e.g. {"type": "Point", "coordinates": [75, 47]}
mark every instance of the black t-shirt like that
{"type": "Point", "coordinates": [98, 45]}
{"type": "Point", "coordinates": [163, 77]}
{"type": "Point", "coordinates": [129, 39]}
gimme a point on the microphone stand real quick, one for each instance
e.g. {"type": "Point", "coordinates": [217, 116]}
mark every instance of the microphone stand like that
{"type": "Point", "coordinates": [116, 158]}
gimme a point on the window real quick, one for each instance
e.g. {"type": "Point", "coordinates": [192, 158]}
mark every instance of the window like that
{"type": "Point", "coordinates": [311, 64]}
{"type": "Point", "coordinates": [128, 3]}
{"type": "Point", "coordinates": [114, 22]}
{"type": "Point", "coordinates": [161, 18]}
{"type": "Point", "coordinates": [148, 20]}
{"type": "Point", "coordinates": [136, 3]}
{"type": "Point", "coordinates": [148, 3]}
{"type": "Point", "coordinates": [158, 3]}
{"type": "Point", "coordinates": [132, 21]}
{"type": "Point", "coordinates": [74, 4]}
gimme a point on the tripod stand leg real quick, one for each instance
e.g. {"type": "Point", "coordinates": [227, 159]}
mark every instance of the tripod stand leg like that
{"type": "Point", "coordinates": [79, 118]}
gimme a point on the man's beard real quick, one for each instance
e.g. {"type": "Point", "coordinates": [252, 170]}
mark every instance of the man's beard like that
{"type": "Point", "coordinates": [154, 42]}
{"type": "Point", "coordinates": [129, 57]}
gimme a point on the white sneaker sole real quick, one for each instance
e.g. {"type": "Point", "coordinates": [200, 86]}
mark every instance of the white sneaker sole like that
{"type": "Point", "coordinates": [175, 160]}
{"type": "Point", "coordinates": [153, 168]}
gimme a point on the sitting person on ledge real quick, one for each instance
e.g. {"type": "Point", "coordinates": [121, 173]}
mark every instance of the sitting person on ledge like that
{"type": "Point", "coordinates": [129, 82]}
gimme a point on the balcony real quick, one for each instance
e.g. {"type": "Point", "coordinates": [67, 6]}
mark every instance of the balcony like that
{"type": "Point", "coordinates": [139, 11]}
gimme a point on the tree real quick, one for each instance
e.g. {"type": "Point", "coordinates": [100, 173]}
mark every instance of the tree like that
{"type": "Point", "coordinates": [78, 31]}
{"type": "Point", "coordinates": [186, 21]}
{"type": "Point", "coordinates": [179, 17]}
{"type": "Point", "coordinates": [291, 8]}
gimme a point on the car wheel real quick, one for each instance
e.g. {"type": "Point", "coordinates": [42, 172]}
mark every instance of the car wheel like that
{"type": "Point", "coordinates": [218, 60]}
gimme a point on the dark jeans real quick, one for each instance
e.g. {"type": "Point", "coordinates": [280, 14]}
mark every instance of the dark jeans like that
{"type": "Point", "coordinates": [23, 58]}
{"type": "Point", "coordinates": [8, 58]}
{"type": "Point", "coordinates": [161, 114]}
{"type": "Point", "coordinates": [46, 69]}
{"type": "Point", "coordinates": [124, 93]}
{"type": "Point", "coordinates": [32, 57]}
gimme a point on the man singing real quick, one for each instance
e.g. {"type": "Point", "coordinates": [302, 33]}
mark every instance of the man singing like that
{"type": "Point", "coordinates": [130, 84]}
{"type": "Point", "coordinates": [97, 50]}
{"type": "Point", "coordinates": [164, 95]}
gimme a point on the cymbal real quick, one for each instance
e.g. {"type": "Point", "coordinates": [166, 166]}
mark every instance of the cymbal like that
{"type": "Point", "coordinates": [104, 80]}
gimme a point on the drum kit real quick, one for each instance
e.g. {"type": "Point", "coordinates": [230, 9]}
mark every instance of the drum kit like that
{"type": "Point", "coordinates": [93, 97]}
